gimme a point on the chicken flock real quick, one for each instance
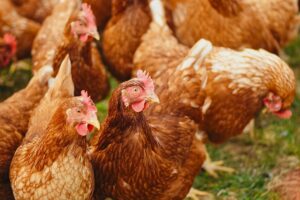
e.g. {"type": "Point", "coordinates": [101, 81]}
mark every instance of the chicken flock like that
{"type": "Point", "coordinates": [190, 72]}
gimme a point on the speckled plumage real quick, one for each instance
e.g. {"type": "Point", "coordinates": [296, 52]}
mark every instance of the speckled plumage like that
{"type": "Point", "coordinates": [55, 40]}
{"type": "Point", "coordinates": [235, 81]}
{"type": "Point", "coordinates": [14, 118]}
{"type": "Point", "coordinates": [52, 163]}
{"type": "Point", "coordinates": [40, 171]}
{"type": "Point", "coordinates": [235, 24]}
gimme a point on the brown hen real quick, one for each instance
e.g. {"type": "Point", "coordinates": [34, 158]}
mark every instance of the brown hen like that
{"type": "Point", "coordinates": [219, 88]}
{"type": "Point", "coordinates": [137, 156]}
{"type": "Point", "coordinates": [20, 27]}
{"type": "Point", "coordinates": [38, 10]}
{"type": "Point", "coordinates": [122, 35]}
{"type": "Point", "coordinates": [14, 118]}
{"type": "Point", "coordinates": [70, 30]}
{"type": "Point", "coordinates": [52, 163]}
{"type": "Point", "coordinates": [235, 23]}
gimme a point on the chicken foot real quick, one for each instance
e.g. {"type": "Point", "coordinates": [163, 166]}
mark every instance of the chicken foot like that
{"type": "Point", "coordinates": [211, 167]}
{"type": "Point", "coordinates": [250, 128]}
{"type": "Point", "coordinates": [197, 195]}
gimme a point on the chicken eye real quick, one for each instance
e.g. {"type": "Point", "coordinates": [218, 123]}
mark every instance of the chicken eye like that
{"type": "Point", "coordinates": [78, 110]}
{"type": "Point", "coordinates": [136, 89]}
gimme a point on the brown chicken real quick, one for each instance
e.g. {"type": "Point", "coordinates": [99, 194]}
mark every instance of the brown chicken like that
{"type": "Point", "coordinates": [234, 23]}
{"type": "Point", "coordinates": [102, 11]}
{"type": "Point", "coordinates": [122, 35]}
{"type": "Point", "coordinates": [220, 89]}
{"type": "Point", "coordinates": [287, 186]}
{"type": "Point", "coordinates": [38, 10]}
{"type": "Point", "coordinates": [52, 163]}
{"type": "Point", "coordinates": [8, 49]}
{"type": "Point", "coordinates": [22, 28]}
{"type": "Point", "coordinates": [70, 30]}
{"type": "Point", "coordinates": [14, 117]}
{"type": "Point", "coordinates": [136, 156]}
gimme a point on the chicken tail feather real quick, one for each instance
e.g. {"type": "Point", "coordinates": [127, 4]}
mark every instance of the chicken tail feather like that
{"type": "Point", "coordinates": [63, 81]}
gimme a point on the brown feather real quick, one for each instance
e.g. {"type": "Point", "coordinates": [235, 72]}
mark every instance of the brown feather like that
{"type": "Point", "coordinates": [144, 157]}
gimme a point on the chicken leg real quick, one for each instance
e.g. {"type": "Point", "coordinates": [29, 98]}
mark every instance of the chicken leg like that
{"type": "Point", "coordinates": [211, 167]}
{"type": "Point", "coordinates": [197, 195]}
{"type": "Point", "coordinates": [250, 128]}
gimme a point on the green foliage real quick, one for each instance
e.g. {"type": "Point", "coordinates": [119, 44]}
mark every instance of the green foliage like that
{"type": "Point", "coordinates": [14, 78]}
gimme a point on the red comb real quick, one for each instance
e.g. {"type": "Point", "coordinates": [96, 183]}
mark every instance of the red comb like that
{"type": "Point", "coordinates": [11, 40]}
{"type": "Point", "coordinates": [146, 79]}
{"type": "Point", "coordinates": [88, 101]}
{"type": "Point", "coordinates": [88, 13]}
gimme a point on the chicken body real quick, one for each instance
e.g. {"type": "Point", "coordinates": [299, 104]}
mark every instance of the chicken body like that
{"type": "Point", "coordinates": [288, 185]}
{"type": "Point", "coordinates": [22, 28]}
{"type": "Point", "coordinates": [61, 172]}
{"type": "Point", "coordinates": [39, 10]}
{"type": "Point", "coordinates": [144, 157]}
{"type": "Point", "coordinates": [220, 89]}
{"type": "Point", "coordinates": [51, 163]}
{"type": "Point", "coordinates": [36, 10]}
{"type": "Point", "coordinates": [102, 11]}
{"type": "Point", "coordinates": [14, 118]}
{"type": "Point", "coordinates": [234, 23]}
{"type": "Point", "coordinates": [122, 35]}
{"type": "Point", "coordinates": [52, 44]}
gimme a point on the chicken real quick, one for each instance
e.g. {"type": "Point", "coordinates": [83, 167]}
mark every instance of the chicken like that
{"type": "Point", "coordinates": [235, 23]}
{"type": "Point", "coordinates": [122, 35]}
{"type": "Point", "coordinates": [287, 186]}
{"type": "Point", "coordinates": [8, 48]}
{"type": "Point", "coordinates": [52, 163]}
{"type": "Point", "coordinates": [132, 148]}
{"type": "Point", "coordinates": [220, 89]}
{"type": "Point", "coordinates": [14, 118]}
{"type": "Point", "coordinates": [23, 29]}
{"type": "Point", "coordinates": [70, 30]}
{"type": "Point", "coordinates": [102, 10]}
{"type": "Point", "coordinates": [38, 10]}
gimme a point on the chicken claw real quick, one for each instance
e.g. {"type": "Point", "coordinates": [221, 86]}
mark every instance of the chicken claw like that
{"type": "Point", "coordinates": [211, 167]}
{"type": "Point", "coordinates": [197, 195]}
{"type": "Point", "coordinates": [250, 128]}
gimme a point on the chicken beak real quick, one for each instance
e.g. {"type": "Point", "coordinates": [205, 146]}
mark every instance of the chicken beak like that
{"type": "Point", "coordinates": [94, 121]}
{"type": "Point", "coordinates": [95, 34]}
{"type": "Point", "coordinates": [153, 98]}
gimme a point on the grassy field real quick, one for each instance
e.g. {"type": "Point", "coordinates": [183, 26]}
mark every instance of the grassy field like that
{"type": "Point", "coordinates": [274, 150]}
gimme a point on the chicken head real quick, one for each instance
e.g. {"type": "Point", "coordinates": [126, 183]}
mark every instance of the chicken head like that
{"type": "Point", "coordinates": [139, 93]}
{"type": "Point", "coordinates": [85, 27]}
{"type": "Point", "coordinates": [7, 49]}
{"type": "Point", "coordinates": [275, 105]}
{"type": "Point", "coordinates": [83, 115]}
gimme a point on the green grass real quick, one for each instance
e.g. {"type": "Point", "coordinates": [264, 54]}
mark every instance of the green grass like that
{"type": "Point", "coordinates": [275, 149]}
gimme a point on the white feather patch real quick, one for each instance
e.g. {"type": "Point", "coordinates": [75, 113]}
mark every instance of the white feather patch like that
{"type": "Point", "coordinates": [158, 13]}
